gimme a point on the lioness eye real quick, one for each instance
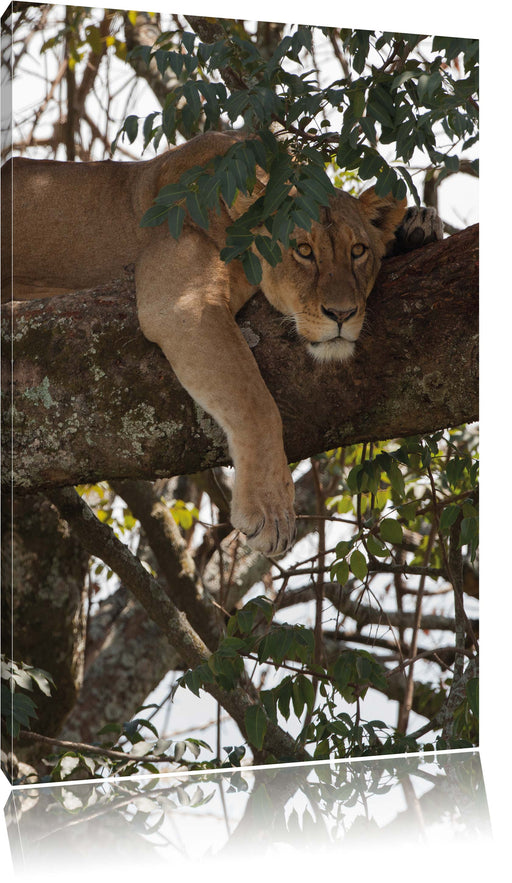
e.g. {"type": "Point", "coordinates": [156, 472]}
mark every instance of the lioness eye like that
{"type": "Point", "coordinates": [304, 250]}
{"type": "Point", "coordinates": [358, 249]}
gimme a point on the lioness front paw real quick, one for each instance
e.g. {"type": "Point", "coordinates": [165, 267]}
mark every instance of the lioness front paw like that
{"type": "Point", "coordinates": [419, 227]}
{"type": "Point", "coordinates": [266, 516]}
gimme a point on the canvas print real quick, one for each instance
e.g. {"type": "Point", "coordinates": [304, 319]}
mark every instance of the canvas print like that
{"type": "Point", "coordinates": [240, 393]}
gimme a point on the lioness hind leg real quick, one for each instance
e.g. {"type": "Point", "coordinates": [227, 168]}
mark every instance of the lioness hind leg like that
{"type": "Point", "coordinates": [188, 316]}
{"type": "Point", "coordinates": [418, 227]}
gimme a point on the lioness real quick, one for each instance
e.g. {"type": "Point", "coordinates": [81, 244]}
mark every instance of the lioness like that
{"type": "Point", "coordinates": [76, 225]}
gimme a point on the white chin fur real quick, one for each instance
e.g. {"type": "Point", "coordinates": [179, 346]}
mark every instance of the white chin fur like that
{"type": "Point", "coordinates": [335, 350]}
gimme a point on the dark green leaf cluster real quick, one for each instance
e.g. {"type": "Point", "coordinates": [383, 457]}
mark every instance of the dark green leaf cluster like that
{"type": "Point", "coordinates": [406, 102]}
{"type": "Point", "coordinates": [270, 218]}
{"type": "Point", "coordinates": [383, 488]}
{"type": "Point", "coordinates": [467, 715]}
{"type": "Point", "coordinates": [394, 98]}
{"type": "Point", "coordinates": [18, 709]}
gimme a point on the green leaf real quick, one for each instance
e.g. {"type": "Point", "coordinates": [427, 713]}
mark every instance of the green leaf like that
{"type": "Point", "coordinates": [385, 181]}
{"type": "Point", "coordinates": [263, 604]}
{"type": "Point", "coordinates": [268, 249]}
{"type": "Point", "coordinates": [154, 216]}
{"type": "Point", "coordinates": [237, 104]}
{"type": "Point", "coordinates": [228, 186]}
{"type": "Point", "coordinates": [358, 565]}
{"type": "Point", "coordinates": [449, 516]}
{"type": "Point", "coordinates": [252, 266]}
{"type": "Point", "coordinates": [297, 699]}
{"type": "Point", "coordinates": [197, 211]}
{"type": "Point", "coordinates": [256, 725]}
{"type": "Point", "coordinates": [307, 690]}
{"type": "Point", "coordinates": [268, 699]}
{"type": "Point", "coordinates": [188, 39]}
{"type": "Point", "coordinates": [342, 671]}
{"type": "Point", "coordinates": [380, 106]}
{"type": "Point", "coordinates": [399, 189]}
{"type": "Point", "coordinates": [340, 572]}
{"type": "Point", "coordinates": [320, 176]}
{"type": "Point", "coordinates": [175, 61]}
{"type": "Point", "coordinates": [285, 696]}
{"type": "Point", "coordinates": [307, 206]}
{"type": "Point", "coordinates": [192, 679]}
{"type": "Point", "coordinates": [314, 190]}
{"type": "Point", "coordinates": [131, 127]}
{"type": "Point", "coordinates": [22, 679]}
{"type": "Point", "coordinates": [376, 548]}
{"type": "Point", "coordinates": [391, 531]}
{"type": "Point", "coordinates": [396, 478]}
{"type": "Point", "coordinates": [147, 129]}
{"type": "Point", "coordinates": [468, 531]}
{"type": "Point", "coordinates": [343, 548]}
{"type": "Point", "coordinates": [371, 165]}
{"type": "Point", "coordinates": [175, 220]}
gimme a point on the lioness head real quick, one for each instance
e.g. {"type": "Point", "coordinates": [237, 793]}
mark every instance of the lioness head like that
{"type": "Point", "coordinates": [323, 282]}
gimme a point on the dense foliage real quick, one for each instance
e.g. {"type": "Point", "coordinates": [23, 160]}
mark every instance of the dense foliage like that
{"type": "Point", "coordinates": [401, 100]}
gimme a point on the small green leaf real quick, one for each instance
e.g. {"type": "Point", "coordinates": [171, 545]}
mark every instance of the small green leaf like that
{"type": "Point", "coordinates": [358, 565]}
{"type": "Point", "coordinates": [131, 127]}
{"type": "Point", "coordinates": [385, 181]}
{"type": "Point", "coordinates": [449, 516]}
{"type": "Point", "coordinates": [256, 725]}
{"type": "Point", "coordinates": [252, 266]}
{"type": "Point", "coordinates": [154, 216]}
{"type": "Point", "coordinates": [391, 531]}
{"type": "Point", "coordinates": [468, 530]}
{"type": "Point", "coordinates": [343, 548]}
{"type": "Point", "coordinates": [197, 211]}
{"type": "Point", "coordinates": [396, 478]}
{"type": "Point", "coordinates": [340, 572]}
{"type": "Point", "coordinates": [376, 548]}
{"type": "Point", "coordinates": [175, 220]}
{"type": "Point", "coordinates": [268, 249]}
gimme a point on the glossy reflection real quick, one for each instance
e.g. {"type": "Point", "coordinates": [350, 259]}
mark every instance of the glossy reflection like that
{"type": "Point", "coordinates": [249, 816]}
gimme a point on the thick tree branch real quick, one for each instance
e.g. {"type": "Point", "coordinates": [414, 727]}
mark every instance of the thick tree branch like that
{"type": "Point", "coordinates": [135, 656]}
{"type": "Point", "coordinates": [174, 562]}
{"type": "Point", "coordinates": [92, 399]}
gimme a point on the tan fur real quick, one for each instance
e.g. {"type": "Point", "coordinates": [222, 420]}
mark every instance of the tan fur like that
{"type": "Point", "coordinates": [76, 225]}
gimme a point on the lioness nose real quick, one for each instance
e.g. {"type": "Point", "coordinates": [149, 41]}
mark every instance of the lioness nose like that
{"type": "Point", "coordinates": [339, 316]}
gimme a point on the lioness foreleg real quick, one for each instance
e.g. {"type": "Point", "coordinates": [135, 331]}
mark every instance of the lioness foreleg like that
{"type": "Point", "coordinates": [182, 299]}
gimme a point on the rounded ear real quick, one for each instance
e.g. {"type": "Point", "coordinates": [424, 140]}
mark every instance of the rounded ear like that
{"type": "Point", "coordinates": [384, 212]}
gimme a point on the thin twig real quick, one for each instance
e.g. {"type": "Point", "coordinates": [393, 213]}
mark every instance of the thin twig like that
{"type": "Point", "coordinates": [85, 748]}
{"type": "Point", "coordinates": [406, 705]}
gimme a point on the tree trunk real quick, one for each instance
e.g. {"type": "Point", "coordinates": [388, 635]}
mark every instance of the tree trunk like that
{"type": "Point", "coordinates": [92, 399]}
{"type": "Point", "coordinates": [43, 606]}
